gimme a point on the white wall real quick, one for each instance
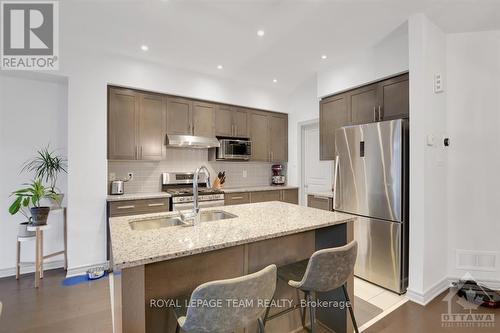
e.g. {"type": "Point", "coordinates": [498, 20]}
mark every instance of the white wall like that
{"type": "Point", "coordinates": [88, 76]}
{"type": "Point", "coordinates": [428, 221]}
{"type": "Point", "coordinates": [303, 105]}
{"type": "Point", "coordinates": [33, 113]}
{"type": "Point", "coordinates": [385, 58]}
{"type": "Point", "coordinates": [473, 114]}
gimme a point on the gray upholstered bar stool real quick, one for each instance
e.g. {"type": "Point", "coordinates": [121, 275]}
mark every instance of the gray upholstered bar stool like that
{"type": "Point", "coordinates": [326, 270]}
{"type": "Point", "coordinates": [256, 288]}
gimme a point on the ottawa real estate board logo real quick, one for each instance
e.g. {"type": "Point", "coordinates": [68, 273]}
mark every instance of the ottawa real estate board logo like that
{"type": "Point", "coordinates": [29, 35]}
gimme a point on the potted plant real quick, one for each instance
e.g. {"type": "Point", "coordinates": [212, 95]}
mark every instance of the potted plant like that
{"type": "Point", "coordinates": [47, 165]}
{"type": "Point", "coordinates": [29, 197]}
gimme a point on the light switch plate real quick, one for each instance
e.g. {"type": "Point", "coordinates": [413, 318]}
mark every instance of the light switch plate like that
{"type": "Point", "coordinates": [430, 140]}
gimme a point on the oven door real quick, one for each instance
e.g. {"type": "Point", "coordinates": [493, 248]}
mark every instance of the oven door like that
{"type": "Point", "coordinates": [201, 204]}
{"type": "Point", "coordinates": [234, 150]}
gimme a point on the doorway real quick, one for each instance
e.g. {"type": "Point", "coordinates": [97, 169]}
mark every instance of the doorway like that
{"type": "Point", "coordinates": [316, 175]}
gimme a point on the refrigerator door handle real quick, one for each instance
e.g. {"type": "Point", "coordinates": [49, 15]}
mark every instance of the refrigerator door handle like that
{"type": "Point", "coordinates": [335, 180]}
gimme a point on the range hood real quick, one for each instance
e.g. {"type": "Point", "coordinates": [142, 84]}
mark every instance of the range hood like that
{"type": "Point", "coordinates": [191, 141]}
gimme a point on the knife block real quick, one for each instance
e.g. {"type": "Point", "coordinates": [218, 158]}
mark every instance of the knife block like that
{"type": "Point", "coordinates": [217, 184]}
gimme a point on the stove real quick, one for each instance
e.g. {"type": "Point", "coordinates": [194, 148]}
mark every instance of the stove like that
{"type": "Point", "coordinates": [180, 186]}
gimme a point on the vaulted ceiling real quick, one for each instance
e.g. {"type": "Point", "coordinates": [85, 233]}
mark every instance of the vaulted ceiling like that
{"type": "Point", "coordinates": [200, 35]}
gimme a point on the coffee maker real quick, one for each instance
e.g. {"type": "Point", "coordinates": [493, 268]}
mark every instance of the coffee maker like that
{"type": "Point", "coordinates": [278, 177]}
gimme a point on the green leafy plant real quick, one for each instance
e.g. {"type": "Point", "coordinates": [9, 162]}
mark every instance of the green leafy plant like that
{"type": "Point", "coordinates": [30, 196]}
{"type": "Point", "coordinates": [46, 165]}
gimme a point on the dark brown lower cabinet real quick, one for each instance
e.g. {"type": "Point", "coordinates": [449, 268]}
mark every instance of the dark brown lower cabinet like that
{"type": "Point", "coordinates": [290, 196]}
{"type": "Point", "coordinates": [263, 196]}
{"type": "Point", "coordinates": [238, 198]}
{"type": "Point", "coordinates": [320, 202]}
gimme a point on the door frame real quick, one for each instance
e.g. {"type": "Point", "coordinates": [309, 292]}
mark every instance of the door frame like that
{"type": "Point", "coordinates": [302, 126]}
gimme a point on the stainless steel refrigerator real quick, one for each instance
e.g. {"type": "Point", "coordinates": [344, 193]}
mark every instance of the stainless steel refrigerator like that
{"type": "Point", "coordinates": [371, 181]}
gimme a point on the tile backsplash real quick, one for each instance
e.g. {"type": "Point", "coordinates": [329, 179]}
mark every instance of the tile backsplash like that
{"type": "Point", "coordinates": [147, 173]}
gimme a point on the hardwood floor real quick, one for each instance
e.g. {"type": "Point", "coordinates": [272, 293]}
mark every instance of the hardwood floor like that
{"type": "Point", "coordinates": [54, 308]}
{"type": "Point", "coordinates": [86, 308]}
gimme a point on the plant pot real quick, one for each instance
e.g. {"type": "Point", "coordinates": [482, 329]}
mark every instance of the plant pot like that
{"type": "Point", "coordinates": [39, 215]}
{"type": "Point", "coordinates": [57, 202]}
{"type": "Point", "coordinates": [22, 230]}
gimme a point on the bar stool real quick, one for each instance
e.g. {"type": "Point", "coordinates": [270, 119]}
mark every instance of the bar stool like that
{"type": "Point", "coordinates": [39, 257]}
{"type": "Point", "coordinates": [326, 270]}
{"type": "Point", "coordinates": [257, 288]}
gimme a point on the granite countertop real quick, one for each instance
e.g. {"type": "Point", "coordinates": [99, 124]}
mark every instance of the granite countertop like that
{"type": "Point", "coordinates": [257, 188]}
{"type": "Point", "coordinates": [254, 222]}
{"type": "Point", "coordinates": [138, 196]}
{"type": "Point", "coordinates": [328, 194]}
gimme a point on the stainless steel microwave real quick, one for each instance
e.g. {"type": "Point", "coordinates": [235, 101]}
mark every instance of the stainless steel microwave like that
{"type": "Point", "coordinates": [234, 149]}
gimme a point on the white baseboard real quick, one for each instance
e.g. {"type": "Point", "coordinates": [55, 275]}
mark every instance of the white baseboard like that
{"type": "Point", "coordinates": [430, 294]}
{"type": "Point", "coordinates": [30, 268]}
{"type": "Point", "coordinates": [81, 270]}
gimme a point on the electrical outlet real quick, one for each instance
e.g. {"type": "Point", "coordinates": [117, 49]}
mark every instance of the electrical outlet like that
{"type": "Point", "coordinates": [130, 175]}
{"type": "Point", "coordinates": [245, 174]}
{"type": "Point", "coordinates": [438, 83]}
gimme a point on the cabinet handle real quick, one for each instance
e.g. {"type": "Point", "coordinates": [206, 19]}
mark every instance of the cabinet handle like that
{"type": "Point", "coordinates": [125, 207]}
{"type": "Point", "coordinates": [140, 154]}
{"type": "Point", "coordinates": [319, 197]}
{"type": "Point", "coordinates": [156, 204]}
{"type": "Point", "coordinates": [380, 113]}
{"type": "Point", "coordinates": [236, 198]}
{"type": "Point", "coordinates": [136, 152]}
{"type": "Point", "coordinates": [374, 113]}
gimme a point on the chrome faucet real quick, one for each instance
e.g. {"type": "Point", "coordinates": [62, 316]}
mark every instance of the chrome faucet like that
{"type": "Point", "coordinates": [196, 207]}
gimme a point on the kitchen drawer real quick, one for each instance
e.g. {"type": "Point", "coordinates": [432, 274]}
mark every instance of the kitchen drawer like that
{"type": "Point", "coordinates": [236, 198]}
{"type": "Point", "coordinates": [320, 202]}
{"type": "Point", "coordinates": [263, 196]}
{"type": "Point", "coordinates": [142, 206]}
{"type": "Point", "coordinates": [290, 196]}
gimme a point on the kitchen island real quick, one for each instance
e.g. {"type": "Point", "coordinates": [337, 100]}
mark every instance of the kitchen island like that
{"type": "Point", "coordinates": [169, 262]}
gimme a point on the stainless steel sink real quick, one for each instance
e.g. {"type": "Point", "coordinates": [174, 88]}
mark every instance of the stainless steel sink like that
{"type": "Point", "coordinates": [163, 222]}
{"type": "Point", "coordinates": [157, 223]}
{"type": "Point", "coordinates": [215, 215]}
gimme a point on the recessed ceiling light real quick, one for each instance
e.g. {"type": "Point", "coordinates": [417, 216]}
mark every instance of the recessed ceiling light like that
{"type": "Point", "coordinates": [261, 33]}
{"type": "Point", "coordinates": [275, 80]}
{"type": "Point", "coordinates": [324, 56]}
{"type": "Point", "coordinates": [219, 67]}
{"type": "Point", "coordinates": [144, 47]}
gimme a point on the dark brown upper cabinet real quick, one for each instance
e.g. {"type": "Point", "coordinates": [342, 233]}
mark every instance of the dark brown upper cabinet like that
{"type": "Point", "coordinates": [363, 104]}
{"type": "Point", "coordinates": [152, 127]}
{"type": "Point", "coordinates": [269, 135]}
{"type": "Point", "coordinates": [123, 113]}
{"type": "Point", "coordinates": [203, 119]}
{"type": "Point", "coordinates": [231, 121]}
{"type": "Point", "coordinates": [333, 114]}
{"type": "Point", "coordinates": [393, 98]}
{"type": "Point", "coordinates": [384, 100]}
{"type": "Point", "coordinates": [240, 122]}
{"type": "Point", "coordinates": [224, 120]}
{"type": "Point", "coordinates": [179, 114]}
{"type": "Point", "coordinates": [278, 132]}
{"type": "Point", "coordinates": [136, 125]}
{"type": "Point", "coordinates": [259, 134]}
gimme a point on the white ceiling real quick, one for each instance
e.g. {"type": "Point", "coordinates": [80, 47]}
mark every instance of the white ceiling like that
{"type": "Point", "coordinates": [198, 35]}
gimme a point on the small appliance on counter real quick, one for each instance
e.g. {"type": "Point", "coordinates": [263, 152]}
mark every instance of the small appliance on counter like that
{"type": "Point", "coordinates": [117, 186]}
{"type": "Point", "coordinates": [278, 177]}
